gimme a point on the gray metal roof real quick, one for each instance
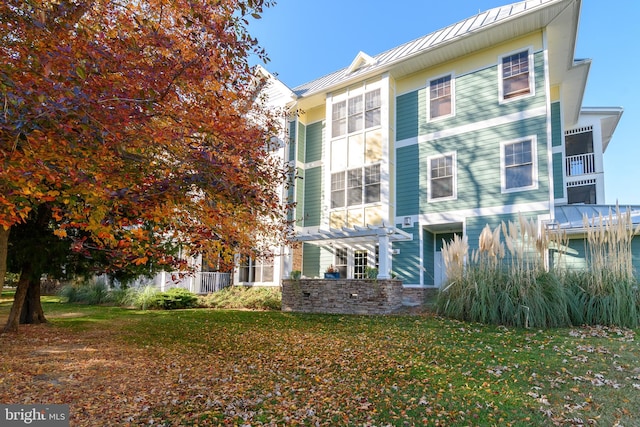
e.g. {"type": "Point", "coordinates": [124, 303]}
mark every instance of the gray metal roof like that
{"type": "Point", "coordinates": [570, 217]}
{"type": "Point", "coordinates": [425, 43]}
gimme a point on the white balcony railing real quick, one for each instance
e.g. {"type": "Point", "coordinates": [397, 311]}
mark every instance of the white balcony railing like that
{"type": "Point", "coordinates": [212, 282]}
{"type": "Point", "coordinates": [582, 164]}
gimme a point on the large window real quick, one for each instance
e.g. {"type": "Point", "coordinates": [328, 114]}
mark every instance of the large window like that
{"type": "Point", "coordinates": [251, 270]}
{"type": "Point", "coordinates": [351, 182]}
{"type": "Point", "coordinates": [519, 166]}
{"type": "Point", "coordinates": [517, 79]}
{"type": "Point", "coordinates": [360, 264]}
{"type": "Point", "coordinates": [442, 183]}
{"type": "Point", "coordinates": [356, 113]}
{"type": "Point", "coordinates": [440, 101]}
{"type": "Point", "coordinates": [341, 260]}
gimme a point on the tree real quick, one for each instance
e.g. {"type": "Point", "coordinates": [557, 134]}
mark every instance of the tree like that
{"type": "Point", "coordinates": [136, 124]}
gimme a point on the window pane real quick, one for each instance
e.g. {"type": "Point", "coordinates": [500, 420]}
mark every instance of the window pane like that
{"type": "Point", "coordinates": [519, 176]}
{"type": "Point", "coordinates": [339, 119]}
{"type": "Point", "coordinates": [515, 75]}
{"type": "Point", "coordinates": [372, 193]}
{"type": "Point", "coordinates": [440, 97]}
{"type": "Point", "coordinates": [441, 187]}
{"type": "Point", "coordinates": [355, 114]}
{"type": "Point", "coordinates": [337, 190]}
{"type": "Point", "coordinates": [372, 118]}
{"type": "Point", "coordinates": [441, 177]}
{"type": "Point", "coordinates": [354, 187]}
{"type": "Point", "coordinates": [372, 108]}
{"type": "Point", "coordinates": [339, 127]}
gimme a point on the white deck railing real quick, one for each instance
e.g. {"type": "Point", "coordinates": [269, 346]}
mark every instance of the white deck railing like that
{"type": "Point", "coordinates": [582, 164]}
{"type": "Point", "coordinates": [212, 282]}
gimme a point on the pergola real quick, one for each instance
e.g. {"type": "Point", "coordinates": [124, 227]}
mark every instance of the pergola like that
{"type": "Point", "coordinates": [383, 235]}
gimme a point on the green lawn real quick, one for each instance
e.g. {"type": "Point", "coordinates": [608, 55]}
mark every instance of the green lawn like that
{"type": "Point", "coordinates": [213, 367]}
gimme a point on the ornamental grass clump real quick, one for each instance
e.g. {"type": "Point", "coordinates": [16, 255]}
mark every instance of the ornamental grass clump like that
{"type": "Point", "coordinates": [504, 282]}
{"type": "Point", "coordinates": [608, 293]}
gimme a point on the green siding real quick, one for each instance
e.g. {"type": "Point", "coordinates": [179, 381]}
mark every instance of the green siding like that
{"type": "Point", "coordinates": [429, 257]}
{"type": "Point", "coordinates": [300, 182]}
{"type": "Point", "coordinates": [474, 225]}
{"type": "Point", "coordinates": [310, 260]}
{"type": "Point", "coordinates": [558, 176]}
{"type": "Point", "coordinates": [407, 200]}
{"type": "Point", "coordinates": [574, 259]}
{"type": "Point", "coordinates": [476, 99]}
{"type": "Point", "coordinates": [478, 167]}
{"type": "Point", "coordinates": [312, 197]}
{"type": "Point", "coordinates": [302, 135]}
{"type": "Point", "coordinates": [556, 125]}
{"type": "Point", "coordinates": [407, 123]}
{"type": "Point", "coordinates": [313, 150]}
{"type": "Point", "coordinates": [292, 140]}
{"type": "Point", "coordinates": [407, 263]}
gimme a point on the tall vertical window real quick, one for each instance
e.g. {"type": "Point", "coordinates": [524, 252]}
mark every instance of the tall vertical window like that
{"type": "Point", "coordinates": [440, 104]}
{"type": "Point", "coordinates": [337, 190]}
{"type": "Point", "coordinates": [372, 184]}
{"type": "Point", "coordinates": [354, 187]}
{"type": "Point", "coordinates": [442, 177]}
{"type": "Point", "coordinates": [339, 119]}
{"type": "Point", "coordinates": [356, 113]}
{"type": "Point", "coordinates": [359, 264]}
{"type": "Point", "coordinates": [519, 165]}
{"type": "Point", "coordinates": [516, 75]}
{"type": "Point", "coordinates": [341, 259]}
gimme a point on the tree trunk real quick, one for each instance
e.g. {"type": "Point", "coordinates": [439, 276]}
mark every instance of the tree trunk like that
{"type": "Point", "coordinates": [18, 299]}
{"type": "Point", "coordinates": [4, 251]}
{"type": "Point", "coordinates": [32, 312]}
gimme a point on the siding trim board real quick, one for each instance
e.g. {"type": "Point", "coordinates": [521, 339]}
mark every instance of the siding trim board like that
{"type": "Point", "coordinates": [472, 127]}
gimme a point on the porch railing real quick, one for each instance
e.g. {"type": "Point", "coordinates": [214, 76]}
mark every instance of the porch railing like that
{"type": "Point", "coordinates": [581, 164]}
{"type": "Point", "coordinates": [212, 281]}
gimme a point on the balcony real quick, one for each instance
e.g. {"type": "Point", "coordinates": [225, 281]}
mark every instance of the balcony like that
{"type": "Point", "coordinates": [581, 164]}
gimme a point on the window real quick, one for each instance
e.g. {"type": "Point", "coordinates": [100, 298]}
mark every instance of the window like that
{"type": "Point", "coordinates": [341, 261]}
{"type": "Point", "coordinates": [251, 270]}
{"type": "Point", "coordinates": [519, 165]}
{"type": "Point", "coordinates": [360, 264]}
{"type": "Point", "coordinates": [440, 104]}
{"type": "Point", "coordinates": [361, 185]}
{"type": "Point", "coordinates": [355, 114]}
{"type": "Point", "coordinates": [442, 177]}
{"type": "Point", "coordinates": [516, 75]}
{"type": "Point", "coordinates": [337, 190]}
{"type": "Point", "coordinates": [372, 184]}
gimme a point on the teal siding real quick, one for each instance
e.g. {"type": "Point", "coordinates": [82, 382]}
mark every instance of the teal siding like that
{"type": "Point", "coordinates": [300, 183]}
{"type": "Point", "coordinates": [313, 150]}
{"type": "Point", "coordinates": [556, 125]}
{"type": "Point", "coordinates": [575, 258]}
{"type": "Point", "coordinates": [474, 225]}
{"type": "Point", "coordinates": [310, 260]}
{"type": "Point", "coordinates": [407, 263]}
{"type": "Point", "coordinates": [312, 197]}
{"type": "Point", "coordinates": [302, 135]}
{"type": "Point", "coordinates": [429, 257]}
{"type": "Point", "coordinates": [407, 189]}
{"type": "Point", "coordinates": [558, 176]}
{"type": "Point", "coordinates": [478, 167]}
{"type": "Point", "coordinates": [292, 140]}
{"type": "Point", "coordinates": [476, 99]}
{"type": "Point", "coordinates": [407, 123]}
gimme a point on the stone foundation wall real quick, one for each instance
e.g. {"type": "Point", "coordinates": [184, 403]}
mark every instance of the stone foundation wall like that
{"type": "Point", "coordinates": [418, 296]}
{"type": "Point", "coordinates": [342, 296]}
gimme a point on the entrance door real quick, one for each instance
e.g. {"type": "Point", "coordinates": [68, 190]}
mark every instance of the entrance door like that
{"type": "Point", "coordinates": [439, 270]}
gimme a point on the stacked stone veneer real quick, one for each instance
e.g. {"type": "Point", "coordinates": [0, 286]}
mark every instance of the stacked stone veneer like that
{"type": "Point", "coordinates": [342, 296]}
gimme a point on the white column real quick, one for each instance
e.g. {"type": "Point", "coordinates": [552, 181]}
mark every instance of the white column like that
{"type": "Point", "coordinates": [385, 256]}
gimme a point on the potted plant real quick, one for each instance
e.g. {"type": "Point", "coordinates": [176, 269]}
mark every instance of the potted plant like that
{"type": "Point", "coordinates": [371, 272]}
{"type": "Point", "coordinates": [295, 274]}
{"type": "Point", "coordinates": [331, 273]}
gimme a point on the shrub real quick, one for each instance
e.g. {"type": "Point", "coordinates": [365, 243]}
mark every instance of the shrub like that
{"type": "Point", "coordinates": [91, 292]}
{"type": "Point", "coordinates": [175, 298]}
{"type": "Point", "coordinates": [145, 298]}
{"type": "Point", "coordinates": [241, 297]}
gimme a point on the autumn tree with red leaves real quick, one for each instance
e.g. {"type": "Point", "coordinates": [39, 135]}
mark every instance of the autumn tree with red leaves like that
{"type": "Point", "coordinates": [129, 127]}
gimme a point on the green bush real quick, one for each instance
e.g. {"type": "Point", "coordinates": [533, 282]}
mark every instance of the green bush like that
{"type": "Point", "coordinates": [92, 292]}
{"type": "Point", "coordinates": [175, 298]}
{"type": "Point", "coordinates": [242, 297]}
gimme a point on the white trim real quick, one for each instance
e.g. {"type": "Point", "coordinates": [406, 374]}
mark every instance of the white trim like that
{"type": "Point", "coordinates": [454, 171]}
{"type": "Point", "coordinates": [452, 89]}
{"type": "Point", "coordinates": [476, 126]}
{"type": "Point", "coordinates": [532, 85]}
{"type": "Point", "coordinates": [547, 89]}
{"type": "Point", "coordinates": [534, 165]}
{"type": "Point", "coordinates": [461, 215]}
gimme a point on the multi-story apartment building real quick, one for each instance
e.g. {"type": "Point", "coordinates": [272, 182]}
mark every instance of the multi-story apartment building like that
{"type": "Point", "coordinates": [474, 124]}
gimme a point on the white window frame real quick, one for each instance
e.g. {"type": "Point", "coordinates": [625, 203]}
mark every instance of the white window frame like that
{"type": "Point", "coordinates": [347, 97]}
{"type": "Point", "coordinates": [454, 171]}
{"type": "Point", "coordinates": [532, 86]}
{"type": "Point", "coordinates": [364, 184]}
{"type": "Point", "coordinates": [452, 87]}
{"type": "Point", "coordinates": [534, 164]}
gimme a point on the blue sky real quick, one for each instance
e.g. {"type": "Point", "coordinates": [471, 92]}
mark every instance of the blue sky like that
{"type": "Point", "coordinates": [306, 39]}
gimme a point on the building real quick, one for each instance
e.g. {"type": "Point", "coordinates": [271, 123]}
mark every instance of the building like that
{"type": "Point", "coordinates": [473, 124]}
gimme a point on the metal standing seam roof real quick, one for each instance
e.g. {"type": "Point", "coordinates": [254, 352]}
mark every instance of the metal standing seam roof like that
{"type": "Point", "coordinates": [570, 217]}
{"type": "Point", "coordinates": [424, 43]}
